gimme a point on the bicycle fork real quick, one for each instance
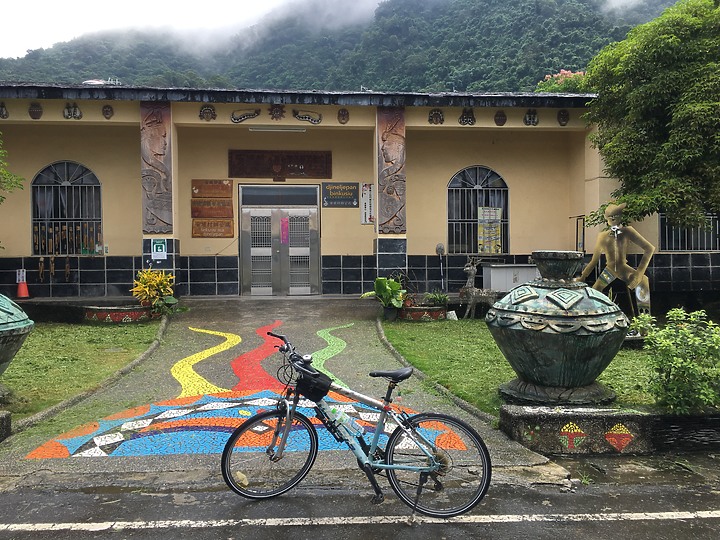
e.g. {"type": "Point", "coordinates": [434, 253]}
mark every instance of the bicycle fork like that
{"type": "Point", "coordinates": [282, 430]}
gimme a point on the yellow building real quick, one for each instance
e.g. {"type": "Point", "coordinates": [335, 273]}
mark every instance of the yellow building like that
{"type": "Point", "coordinates": [284, 193]}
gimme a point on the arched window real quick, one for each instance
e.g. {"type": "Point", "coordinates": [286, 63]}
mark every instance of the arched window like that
{"type": "Point", "coordinates": [67, 211]}
{"type": "Point", "coordinates": [477, 212]}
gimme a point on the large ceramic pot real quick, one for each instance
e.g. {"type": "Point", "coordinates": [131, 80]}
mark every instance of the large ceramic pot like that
{"type": "Point", "coordinates": [14, 328]}
{"type": "Point", "coordinates": [558, 335]}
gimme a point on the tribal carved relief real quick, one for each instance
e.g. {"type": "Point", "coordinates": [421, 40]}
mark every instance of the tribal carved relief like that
{"type": "Point", "coordinates": [391, 171]}
{"type": "Point", "coordinates": [241, 115]}
{"type": "Point", "coordinates": [156, 171]}
{"type": "Point", "coordinates": [307, 116]}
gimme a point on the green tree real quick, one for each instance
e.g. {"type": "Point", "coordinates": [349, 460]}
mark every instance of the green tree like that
{"type": "Point", "coordinates": [658, 114]}
{"type": "Point", "coordinates": [8, 181]}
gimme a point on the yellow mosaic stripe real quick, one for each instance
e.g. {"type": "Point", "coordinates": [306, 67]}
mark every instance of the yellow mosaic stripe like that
{"type": "Point", "coordinates": [193, 384]}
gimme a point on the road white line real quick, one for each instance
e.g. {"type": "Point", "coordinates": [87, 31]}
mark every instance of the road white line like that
{"type": "Point", "coordinates": [360, 520]}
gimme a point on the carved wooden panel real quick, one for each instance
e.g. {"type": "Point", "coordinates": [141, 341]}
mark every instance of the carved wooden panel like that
{"type": "Point", "coordinates": [156, 167]}
{"type": "Point", "coordinates": [391, 170]}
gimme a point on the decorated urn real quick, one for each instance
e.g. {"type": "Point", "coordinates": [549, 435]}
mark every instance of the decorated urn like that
{"type": "Point", "coordinates": [557, 334]}
{"type": "Point", "coordinates": [14, 328]}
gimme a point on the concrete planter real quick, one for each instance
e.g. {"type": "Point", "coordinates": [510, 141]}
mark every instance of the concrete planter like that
{"type": "Point", "coordinates": [423, 313]}
{"type": "Point", "coordinates": [117, 314]}
{"type": "Point", "coordinates": [598, 430]}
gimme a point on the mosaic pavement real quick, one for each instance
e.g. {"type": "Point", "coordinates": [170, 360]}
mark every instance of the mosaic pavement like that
{"type": "Point", "coordinates": [200, 419]}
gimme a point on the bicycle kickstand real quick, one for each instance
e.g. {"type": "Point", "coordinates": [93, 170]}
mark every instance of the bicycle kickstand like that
{"type": "Point", "coordinates": [422, 481]}
{"type": "Point", "coordinates": [379, 496]}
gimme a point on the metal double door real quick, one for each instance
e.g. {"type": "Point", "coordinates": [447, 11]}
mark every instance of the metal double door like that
{"type": "Point", "coordinates": [280, 252]}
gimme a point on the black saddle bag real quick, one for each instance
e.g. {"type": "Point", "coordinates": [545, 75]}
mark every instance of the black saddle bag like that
{"type": "Point", "coordinates": [314, 387]}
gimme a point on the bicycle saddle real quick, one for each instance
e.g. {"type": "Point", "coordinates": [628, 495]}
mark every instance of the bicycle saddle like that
{"type": "Point", "coordinates": [395, 376]}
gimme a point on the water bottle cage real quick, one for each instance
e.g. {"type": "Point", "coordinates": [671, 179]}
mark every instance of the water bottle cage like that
{"type": "Point", "coordinates": [330, 424]}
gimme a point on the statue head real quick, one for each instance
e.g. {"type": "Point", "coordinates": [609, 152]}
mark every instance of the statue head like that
{"type": "Point", "coordinates": [613, 213]}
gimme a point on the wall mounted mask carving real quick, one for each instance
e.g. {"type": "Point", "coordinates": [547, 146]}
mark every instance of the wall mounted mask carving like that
{"type": "Point", "coordinates": [207, 113]}
{"type": "Point", "coordinates": [467, 118]}
{"type": "Point", "coordinates": [35, 111]}
{"type": "Point", "coordinates": [531, 118]}
{"type": "Point", "coordinates": [563, 117]}
{"type": "Point", "coordinates": [436, 117]}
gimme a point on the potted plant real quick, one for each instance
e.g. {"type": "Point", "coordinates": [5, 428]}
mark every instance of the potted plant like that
{"type": "Point", "coordinates": [432, 308]}
{"type": "Point", "coordinates": [435, 298]}
{"type": "Point", "coordinates": [154, 288]}
{"type": "Point", "coordinates": [389, 293]}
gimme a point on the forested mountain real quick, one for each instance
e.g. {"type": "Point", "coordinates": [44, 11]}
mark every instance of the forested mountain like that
{"type": "Point", "coordinates": [408, 45]}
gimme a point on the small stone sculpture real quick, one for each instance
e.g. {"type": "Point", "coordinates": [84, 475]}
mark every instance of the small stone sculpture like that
{"type": "Point", "coordinates": [472, 295]}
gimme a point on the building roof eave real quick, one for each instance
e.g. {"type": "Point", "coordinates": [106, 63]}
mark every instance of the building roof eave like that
{"type": "Point", "coordinates": [290, 97]}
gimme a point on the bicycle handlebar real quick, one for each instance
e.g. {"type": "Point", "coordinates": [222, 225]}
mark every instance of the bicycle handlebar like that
{"type": "Point", "coordinates": [297, 361]}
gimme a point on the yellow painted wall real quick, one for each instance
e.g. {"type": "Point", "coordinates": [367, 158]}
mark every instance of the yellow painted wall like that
{"type": "Point", "coordinates": [112, 152]}
{"type": "Point", "coordinates": [538, 170]}
{"type": "Point", "coordinates": [203, 154]}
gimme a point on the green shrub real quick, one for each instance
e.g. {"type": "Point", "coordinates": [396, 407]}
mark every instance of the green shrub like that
{"type": "Point", "coordinates": [387, 291]}
{"type": "Point", "coordinates": [685, 357]}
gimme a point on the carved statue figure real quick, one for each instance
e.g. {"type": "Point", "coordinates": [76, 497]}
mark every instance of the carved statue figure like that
{"type": "Point", "coordinates": [613, 243]}
{"type": "Point", "coordinates": [472, 295]}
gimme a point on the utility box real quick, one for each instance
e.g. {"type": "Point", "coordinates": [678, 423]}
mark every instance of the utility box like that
{"type": "Point", "coordinates": [504, 277]}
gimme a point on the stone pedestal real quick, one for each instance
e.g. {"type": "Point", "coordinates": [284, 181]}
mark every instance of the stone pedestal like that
{"type": "Point", "coordinates": [604, 430]}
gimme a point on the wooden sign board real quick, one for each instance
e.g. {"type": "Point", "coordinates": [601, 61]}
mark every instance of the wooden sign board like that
{"type": "Point", "coordinates": [211, 208]}
{"type": "Point", "coordinates": [279, 164]}
{"type": "Point", "coordinates": [213, 228]}
{"type": "Point", "coordinates": [215, 189]}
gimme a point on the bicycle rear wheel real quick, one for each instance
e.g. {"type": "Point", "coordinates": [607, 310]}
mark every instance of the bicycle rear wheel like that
{"type": "Point", "coordinates": [464, 474]}
{"type": "Point", "coordinates": [248, 460]}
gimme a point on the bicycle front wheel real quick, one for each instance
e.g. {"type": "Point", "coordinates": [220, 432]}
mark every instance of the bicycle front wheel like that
{"type": "Point", "coordinates": [461, 462]}
{"type": "Point", "coordinates": [250, 465]}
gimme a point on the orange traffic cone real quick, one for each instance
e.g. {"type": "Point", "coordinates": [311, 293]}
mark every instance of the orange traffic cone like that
{"type": "Point", "coordinates": [22, 290]}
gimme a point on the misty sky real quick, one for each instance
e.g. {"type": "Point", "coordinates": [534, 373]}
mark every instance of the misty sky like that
{"type": "Point", "coordinates": [42, 23]}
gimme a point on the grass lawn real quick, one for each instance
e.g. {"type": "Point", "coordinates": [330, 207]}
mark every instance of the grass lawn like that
{"type": "Point", "coordinates": [463, 357]}
{"type": "Point", "coordinates": [58, 361]}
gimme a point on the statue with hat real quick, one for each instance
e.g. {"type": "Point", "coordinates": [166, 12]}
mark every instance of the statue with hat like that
{"type": "Point", "coordinates": [613, 243]}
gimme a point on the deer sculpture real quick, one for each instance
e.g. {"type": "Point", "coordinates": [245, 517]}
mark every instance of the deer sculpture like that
{"type": "Point", "coordinates": [472, 295]}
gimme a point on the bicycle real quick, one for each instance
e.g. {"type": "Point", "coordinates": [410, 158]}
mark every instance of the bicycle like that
{"type": "Point", "coordinates": [436, 464]}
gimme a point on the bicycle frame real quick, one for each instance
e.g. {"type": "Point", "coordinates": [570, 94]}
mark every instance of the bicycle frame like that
{"type": "Point", "coordinates": [364, 456]}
